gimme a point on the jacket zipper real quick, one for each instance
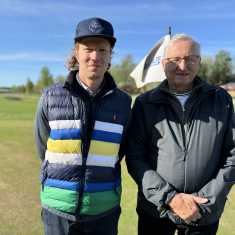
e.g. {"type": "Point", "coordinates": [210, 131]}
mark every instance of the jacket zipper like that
{"type": "Point", "coordinates": [182, 122]}
{"type": "Point", "coordinates": [185, 147]}
{"type": "Point", "coordinates": [185, 144]}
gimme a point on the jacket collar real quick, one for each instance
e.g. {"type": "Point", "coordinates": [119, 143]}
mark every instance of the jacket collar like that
{"type": "Point", "coordinates": [76, 89]}
{"type": "Point", "coordinates": [162, 91]}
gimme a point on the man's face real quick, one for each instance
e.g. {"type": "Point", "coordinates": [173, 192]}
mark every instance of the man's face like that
{"type": "Point", "coordinates": [94, 56]}
{"type": "Point", "coordinates": [181, 64]}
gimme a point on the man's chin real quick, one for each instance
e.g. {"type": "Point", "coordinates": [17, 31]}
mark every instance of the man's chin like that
{"type": "Point", "coordinates": [181, 77]}
{"type": "Point", "coordinates": [94, 76]}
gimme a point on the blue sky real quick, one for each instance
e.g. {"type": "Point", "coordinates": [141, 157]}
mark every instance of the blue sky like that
{"type": "Point", "coordinates": [40, 33]}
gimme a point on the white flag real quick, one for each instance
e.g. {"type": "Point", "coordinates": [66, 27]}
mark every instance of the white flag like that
{"type": "Point", "coordinates": [150, 68]}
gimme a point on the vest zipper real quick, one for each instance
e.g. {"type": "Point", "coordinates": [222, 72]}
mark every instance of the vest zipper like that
{"type": "Point", "coordinates": [88, 126]}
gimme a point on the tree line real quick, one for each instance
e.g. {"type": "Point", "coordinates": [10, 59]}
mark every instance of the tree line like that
{"type": "Point", "coordinates": [45, 79]}
{"type": "Point", "coordinates": [216, 70]}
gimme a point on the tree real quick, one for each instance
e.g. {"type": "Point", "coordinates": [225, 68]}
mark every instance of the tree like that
{"type": "Point", "coordinates": [20, 89]}
{"type": "Point", "coordinates": [222, 69]}
{"type": "Point", "coordinates": [29, 86]}
{"type": "Point", "coordinates": [45, 79]}
{"type": "Point", "coordinates": [219, 70]}
{"type": "Point", "coordinates": [206, 68]}
{"type": "Point", "coordinates": [121, 73]}
{"type": "Point", "coordinates": [60, 78]}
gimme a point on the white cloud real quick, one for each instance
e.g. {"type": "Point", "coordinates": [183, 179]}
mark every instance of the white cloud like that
{"type": "Point", "coordinates": [24, 56]}
{"type": "Point", "coordinates": [122, 11]}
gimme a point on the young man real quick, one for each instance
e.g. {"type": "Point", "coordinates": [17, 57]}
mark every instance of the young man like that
{"type": "Point", "coordinates": [181, 149]}
{"type": "Point", "coordinates": [79, 129]}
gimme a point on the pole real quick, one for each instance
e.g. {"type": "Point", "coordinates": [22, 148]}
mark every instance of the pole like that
{"type": "Point", "coordinates": [169, 30]}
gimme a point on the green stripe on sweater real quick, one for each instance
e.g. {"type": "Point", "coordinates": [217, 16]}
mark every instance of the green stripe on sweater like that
{"type": "Point", "coordinates": [92, 204]}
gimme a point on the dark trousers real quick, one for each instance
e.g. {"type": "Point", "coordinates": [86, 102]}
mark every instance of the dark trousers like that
{"type": "Point", "coordinates": [148, 225]}
{"type": "Point", "coordinates": [56, 225]}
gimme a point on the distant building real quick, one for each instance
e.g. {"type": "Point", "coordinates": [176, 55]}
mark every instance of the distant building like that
{"type": "Point", "coordinates": [230, 88]}
{"type": "Point", "coordinates": [5, 89]}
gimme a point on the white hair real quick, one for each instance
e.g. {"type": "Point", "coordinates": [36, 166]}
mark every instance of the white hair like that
{"type": "Point", "coordinates": [183, 37]}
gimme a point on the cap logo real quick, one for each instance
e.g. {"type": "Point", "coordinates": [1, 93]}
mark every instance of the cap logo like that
{"type": "Point", "coordinates": [94, 26]}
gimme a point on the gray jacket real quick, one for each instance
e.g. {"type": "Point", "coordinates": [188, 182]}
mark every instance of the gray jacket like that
{"type": "Point", "coordinates": [189, 150]}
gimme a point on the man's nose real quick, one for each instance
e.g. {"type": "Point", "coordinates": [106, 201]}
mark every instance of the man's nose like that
{"type": "Point", "coordinates": [182, 64]}
{"type": "Point", "coordinates": [95, 55]}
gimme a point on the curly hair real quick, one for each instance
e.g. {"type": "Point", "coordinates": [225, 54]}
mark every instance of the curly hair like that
{"type": "Point", "coordinates": [71, 62]}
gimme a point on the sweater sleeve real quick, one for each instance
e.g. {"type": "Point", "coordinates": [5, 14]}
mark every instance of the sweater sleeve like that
{"type": "Point", "coordinates": [42, 128]}
{"type": "Point", "coordinates": [155, 189]}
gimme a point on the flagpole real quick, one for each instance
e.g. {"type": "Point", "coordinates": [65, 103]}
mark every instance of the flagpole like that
{"type": "Point", "coordinates": [169, 31]}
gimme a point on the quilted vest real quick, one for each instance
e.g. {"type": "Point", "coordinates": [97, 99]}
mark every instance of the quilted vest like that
{"type": "Point", "coordinates": [81, 171]}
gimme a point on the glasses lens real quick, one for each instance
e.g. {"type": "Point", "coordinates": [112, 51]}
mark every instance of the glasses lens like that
{"type": "Point", "coordinates": [189, 60]}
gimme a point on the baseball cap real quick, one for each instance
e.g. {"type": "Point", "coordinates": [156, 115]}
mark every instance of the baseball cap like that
{"type": "Point", "coordinates": [95, 27]}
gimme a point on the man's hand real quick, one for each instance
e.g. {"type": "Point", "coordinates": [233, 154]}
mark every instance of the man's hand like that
{"type": "Point", "coordinates": [185, 206]}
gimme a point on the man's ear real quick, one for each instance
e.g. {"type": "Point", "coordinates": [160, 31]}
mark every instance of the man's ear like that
{"type": "Point", "coordinates": [76, 51]}
{"type": "Point", "coordinates": [109, 62]}
{"type": "Point", "coordinates": [200, 61]}
{"type": "Point", "coordinates": [163, 62]}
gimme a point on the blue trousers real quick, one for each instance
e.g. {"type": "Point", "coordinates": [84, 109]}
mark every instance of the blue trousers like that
{"type": "Point", "coordinates": [148, 225]}
{"type": "Point", "coordinates": [56, 225]}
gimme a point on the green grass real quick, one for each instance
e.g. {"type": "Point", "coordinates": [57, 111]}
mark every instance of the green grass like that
{"type": "Point", "coordinates": [19, 176]}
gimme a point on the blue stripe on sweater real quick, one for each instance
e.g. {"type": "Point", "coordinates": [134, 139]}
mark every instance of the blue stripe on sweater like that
{"type": "Point", "coordinates": [89, 187]}
{"type": "Point", "coordinates": [106, 136]}
{"type": "Point", "coordinates": [65, 134]}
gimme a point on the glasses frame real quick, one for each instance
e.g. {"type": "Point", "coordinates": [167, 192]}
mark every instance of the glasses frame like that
{"type": "Point", "coordinates": [190, 60]}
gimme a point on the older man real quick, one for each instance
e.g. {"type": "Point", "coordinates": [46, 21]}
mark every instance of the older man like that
{"type": "Point", "coordinates": [181, 149]}
{"type": "Point", "coordinates": [79, 128]}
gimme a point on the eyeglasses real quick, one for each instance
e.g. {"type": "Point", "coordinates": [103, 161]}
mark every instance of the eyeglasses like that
{"type": "Point", "coordinates": [189, 60]}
